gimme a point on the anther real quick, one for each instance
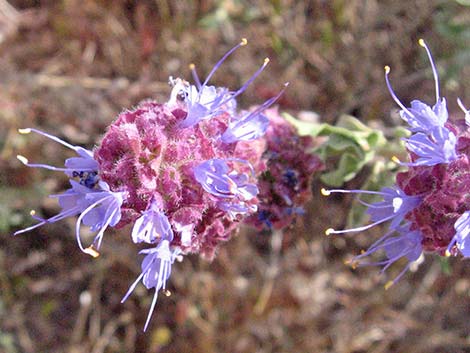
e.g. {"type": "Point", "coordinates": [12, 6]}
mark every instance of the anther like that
{"type": "Point", "coordinates": [24, 131]}
{"type": "Point", "coordinates": [329, 231]}
{"type": "Point", "coordinates": [422, 43]}
{"type": "Point", "coordinates": [387, 69]}
{"type": "Point", "coordinates": [32, 213]}
{"type": "Point", "coordinates": [395, 159]}
{"type": "Point", "coordinates": [447, 253]}
{"type": "Point", "coordinates": [244, 41]}
{"type": "Point", "coordinates": [266, 61]}
{"type": "Point", "coordinates": [166, 292]}
{"type": "Point", "coordinates": [22, 159]}
{"type": "Point", "coordinates": [92, 252]}
{"type": "Point", "coordinates": [325, 192]}
{"type": "Point", "coordinates": [192, 66]}
{"type": "Point", "coordinates": [388, 285]}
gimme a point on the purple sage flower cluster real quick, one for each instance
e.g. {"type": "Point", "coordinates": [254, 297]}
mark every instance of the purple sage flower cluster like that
{"type": "Point", "coordinates": [285, 186]}
{"type": "Point", "coordinates": [429, 207]}
{"type": "Point", "coordinates": [184, 174]}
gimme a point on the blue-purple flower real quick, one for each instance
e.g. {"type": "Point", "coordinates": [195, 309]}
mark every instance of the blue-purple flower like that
{"type": "Point", "coordinates": [436, 148]}
{"type": "Point", "coordinates": [218, 179]}
{"type": "Point", "coordinates": [203, 101]}
{"type": "Point", "coordinates": [394, 207]}
{"type": "Point", "coordinates": [421, 117]}
{"type": "Point", "coordinates": [90, 198]}
{"type": "Point", "coordinates": [431, 141]}
{"type": "Point", "coordinates": [83, 163]}
{"type": "Point", "coordinates": [152, 226]}
{"type": "Point", "coordinates": [251, 125]}
{"type": "Point", "coordinates": [398, 243]}
{"type": "Point", "coordinates": [461, 238]}
{"type": "Point", "coordinates": [156, 269]}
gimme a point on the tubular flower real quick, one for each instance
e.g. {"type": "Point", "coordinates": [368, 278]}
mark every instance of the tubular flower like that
{"type": "Point", "coordinates": [406, 244]}
{"type": "Point", "coordinates": [432, 203]}
{"type": "Point", "coordinates": [91, 199]}
{"type": "Point", "coordinates": [156, 270]}
{"type": "Point", "coordinates": [436, 148]}
{"type": "Point", "coordinates": [184, 173]}
{"type": "Point", "coordinates": [394, 207]}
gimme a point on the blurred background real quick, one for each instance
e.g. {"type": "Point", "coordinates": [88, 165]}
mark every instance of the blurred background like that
{"type": "Point", "coordinates": [69, 67]}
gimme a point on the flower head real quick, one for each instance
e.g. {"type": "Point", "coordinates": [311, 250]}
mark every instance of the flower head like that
{"type": "Point", "coordinates": [184, 173]}
{"type": "Point", "coordinates": [286, 184]}
{"type": "Point", "coordinates": [430, 205]}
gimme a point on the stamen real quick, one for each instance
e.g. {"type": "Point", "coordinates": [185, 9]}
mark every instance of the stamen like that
{"type": "Point", "coordinates": [269, 102]}
{"type": "Point", "coordinates": [327, 192]}
{"type": "Point", "coordinates": [359, 229]}
{"type": "Point", "coordinates": [246, 84]}
{"type": "Point", "coordinates": [192, 67]}
{"type": "Point", "coordinates": [433, 66]}
{"type": "Point", "coordinates": [392, 93]}
{"type": "Point", "coordinates": [54, 138]}
{"type": "Point", "coordinates": [226, 55]}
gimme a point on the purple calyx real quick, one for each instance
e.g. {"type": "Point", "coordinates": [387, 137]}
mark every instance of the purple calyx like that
{"type": "Point", "coordinates": [152, 226]}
